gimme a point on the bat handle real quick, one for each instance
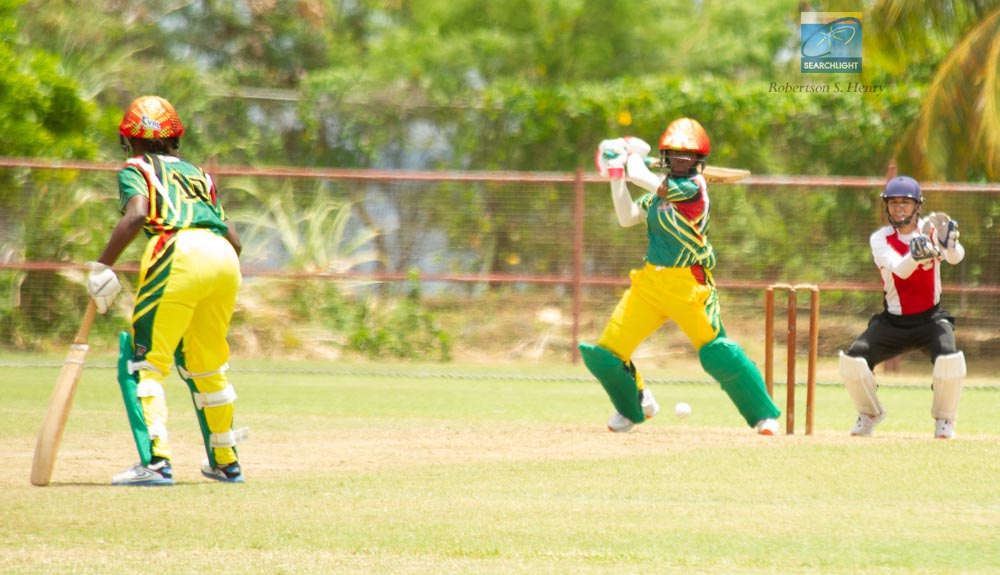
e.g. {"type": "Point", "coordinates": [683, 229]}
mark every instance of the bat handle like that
{"type": "Point", "coordinates": [83, 334]}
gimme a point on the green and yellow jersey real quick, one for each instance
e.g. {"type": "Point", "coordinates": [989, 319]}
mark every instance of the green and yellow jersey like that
{"type": "Point", "coordinates": [677, 226]}
{"type": "Point", "coordinates": [181, 195]}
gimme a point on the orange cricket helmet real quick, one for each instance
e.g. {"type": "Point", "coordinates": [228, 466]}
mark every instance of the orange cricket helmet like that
{"type": "Point", "coordinates": [686, 141]}
{"type": "Point", "coordinates": [685, 135]}
{"type": "Point", "coordinates": [151, 118]}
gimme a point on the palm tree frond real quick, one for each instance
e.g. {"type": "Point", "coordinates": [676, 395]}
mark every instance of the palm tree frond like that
{"type": "Point", "coordinates": [955, 135]}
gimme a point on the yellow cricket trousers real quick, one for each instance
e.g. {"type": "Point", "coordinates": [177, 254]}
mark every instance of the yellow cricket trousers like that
{"type": "Point", "coordinates": [657, 295]}
{"type": "Point", "coordinates": [188, 283]}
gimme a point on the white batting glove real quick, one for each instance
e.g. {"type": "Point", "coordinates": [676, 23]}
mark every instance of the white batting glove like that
{"type": "Point", "coordinates": [102, 285]}
{"type": "Point", "coordinates": [636, 146]}
{"type": "Point", "coordinates": [616, 144]}
{"type": "Point", "coordinates": [616, 166]}
{"type": "Point", "coordinates": [610, 158]}
{"type": "Point", "coordinates": [923, 248]}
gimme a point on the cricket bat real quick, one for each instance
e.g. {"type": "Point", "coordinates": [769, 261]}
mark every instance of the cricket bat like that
{"type": "Point", "coordinates": [712, 174]}
{"type": "Point", "coordinates": [47, 446]}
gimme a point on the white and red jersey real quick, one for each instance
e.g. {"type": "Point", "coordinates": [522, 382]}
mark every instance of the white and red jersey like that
{"type": "Point", "coordinates": [910, 287]}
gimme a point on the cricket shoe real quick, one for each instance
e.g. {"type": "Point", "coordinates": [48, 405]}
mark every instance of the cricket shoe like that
{"type": "Point", "coordinates": [621, 424]}
{"type": "Point", "coordinates": [866, 423]}
{"type": "Point", "coordinates": [229, 473]}
{"type": "Point", "coordinates": [157, 473]}
{"type": "Point", "coordinates": [944, 429]}
{"type": "Point", "coordinates": [767, 426]}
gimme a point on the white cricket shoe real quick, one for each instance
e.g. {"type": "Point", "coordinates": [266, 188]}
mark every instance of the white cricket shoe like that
{"type": "Point", "coordinates": [155, 474]}
{"type": "Point", "coordinates": [621, 424]}
{"type": "Point", "coordinates": [648, 403]}
{"type": "Point", "coordinates": [944, 429]}
{"type": "Point", "coordinates": [866, 423]}
{"type": "Point", "coordinates": [767, 426]}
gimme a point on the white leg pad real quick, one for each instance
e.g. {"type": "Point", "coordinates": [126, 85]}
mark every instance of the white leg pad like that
{"type": "Point", "coordinates": [134, 366]}
{"type": "Point", "coordinates": [860, 383]}
{"type": "Point", "coordinates": [225, 396]}
{"type": "Point", "coordinates": [158, 431]}
{"type": "Point", "coordinates": [153, 388]}
{"type": "Point", "coordinates": [229, 438]}
{"type": "Point", "coordinates": [150, 388]}
{"type": "Point", "coordinates": [948, 376]}
{"type": "Point", "coordinates": [189, 375]}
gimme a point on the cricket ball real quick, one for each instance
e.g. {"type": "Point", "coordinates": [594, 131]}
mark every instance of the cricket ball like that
{"type": "Point", "coordinates": [682, 410]}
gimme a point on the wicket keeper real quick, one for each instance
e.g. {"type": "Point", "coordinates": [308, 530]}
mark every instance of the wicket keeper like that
{"type": "Point", "coordinates": [909, 253]}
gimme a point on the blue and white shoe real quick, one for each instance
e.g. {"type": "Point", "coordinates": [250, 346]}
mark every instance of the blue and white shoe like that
{"type": "Point", "coordinates": [230, 473]}
{"type": "Point", "coordinates": [156, 474]}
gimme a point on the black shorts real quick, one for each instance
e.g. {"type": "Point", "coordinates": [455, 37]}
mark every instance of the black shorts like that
{"type": "Point", "coordinates": [888, 336]}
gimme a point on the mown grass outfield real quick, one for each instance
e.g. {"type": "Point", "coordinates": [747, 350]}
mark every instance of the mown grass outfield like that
{"type": "Point", "coordinates": [412, 469]}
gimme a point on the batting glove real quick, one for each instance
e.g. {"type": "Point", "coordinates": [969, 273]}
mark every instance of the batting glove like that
{"type": "Point", "coordinates": [922, 248]}
{"type": "Point", "coordinates": [610, 158]}
{"type": "Point", "coordinates": [102, 285]}
{"type": "Point", "coordinates": [636, 146]}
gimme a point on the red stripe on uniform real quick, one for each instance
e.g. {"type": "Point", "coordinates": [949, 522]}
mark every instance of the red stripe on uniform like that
{"type": "Point", "coordinates": [916, 293]}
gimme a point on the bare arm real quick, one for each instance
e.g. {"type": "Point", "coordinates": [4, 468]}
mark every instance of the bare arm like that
{"type": "Point", "coordinates": [234, 239]}
{"type": "Point", "coordinates": [136, 212]}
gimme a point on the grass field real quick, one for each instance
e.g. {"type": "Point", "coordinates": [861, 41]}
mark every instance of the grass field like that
{"type": "Point", "coordinates": [442, 469]}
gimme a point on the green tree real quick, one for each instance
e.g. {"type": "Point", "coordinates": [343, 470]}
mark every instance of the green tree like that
{"type": "Point", "coordinates": [955, 45]}
{"type": "Point", "coordinates": [41, 108]}
{"type": "Point", "coordinates": [953, 48]}
{"type": "Point", "coordinates": [42, 113]}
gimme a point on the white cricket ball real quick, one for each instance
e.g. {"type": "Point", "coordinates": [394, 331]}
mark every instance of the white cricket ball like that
{"type": "Point", "coordinates": [682, 410]}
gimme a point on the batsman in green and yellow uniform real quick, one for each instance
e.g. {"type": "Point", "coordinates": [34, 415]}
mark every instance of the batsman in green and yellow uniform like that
{"type": "Point", "coordinates": [675, 283]}
{"type": "Point", "coordinates": [188, 280]}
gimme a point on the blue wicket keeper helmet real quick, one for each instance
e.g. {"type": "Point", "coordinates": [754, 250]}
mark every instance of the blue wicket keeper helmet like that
{"type": "Point", "coordinates": [902, 187]}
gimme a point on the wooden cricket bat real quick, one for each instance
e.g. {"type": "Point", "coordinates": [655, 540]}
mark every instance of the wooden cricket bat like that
{"type": "Point", "coordinates": [715, 174]}
{"type": "Point", "coordinates": [712, 174]}
{"type": "Point", "coordinates": [47, 446]}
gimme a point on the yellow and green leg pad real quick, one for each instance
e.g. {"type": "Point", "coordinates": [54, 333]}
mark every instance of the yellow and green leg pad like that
{"type": "Point", "coordinates": [725, 361]}
{"type": "Point", "coordinates": [214, 408]}
{"type": "Point", "coordinates": [617, 377]}
{"type": "Point", "coordinates": [128, 380]}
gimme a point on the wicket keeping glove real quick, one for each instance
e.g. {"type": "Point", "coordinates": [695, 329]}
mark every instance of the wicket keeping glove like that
{"type": "Point", "coordinates": [947, 230]}
{"type": "Point", "coordinates": [102, 285]}
{"type": "Point", "coordinates": [922, 248]}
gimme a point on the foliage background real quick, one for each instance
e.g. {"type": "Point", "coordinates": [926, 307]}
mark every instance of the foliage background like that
{"type": "Point", "coordinates": [469, 85]}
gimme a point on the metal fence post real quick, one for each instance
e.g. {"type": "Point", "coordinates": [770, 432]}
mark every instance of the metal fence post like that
{"type": "Point", "coordinates": [578, 210]}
